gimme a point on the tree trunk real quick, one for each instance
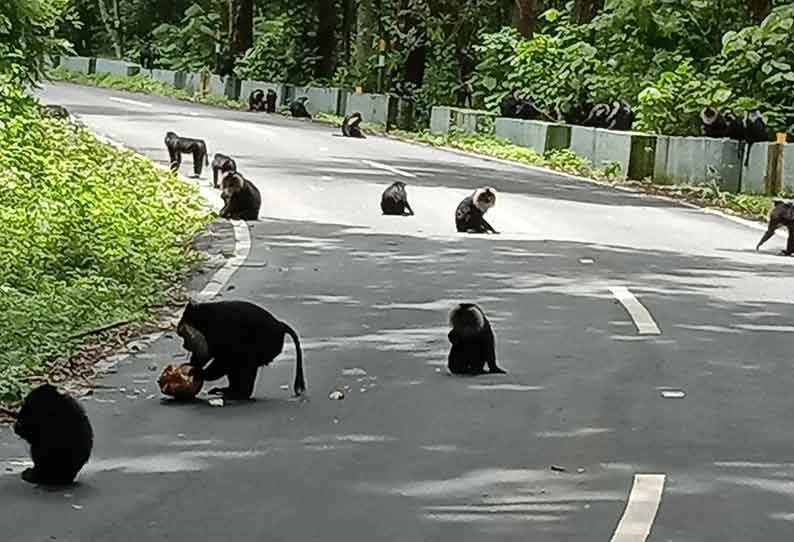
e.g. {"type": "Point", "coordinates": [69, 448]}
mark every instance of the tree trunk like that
{"type": "Point", "coordinates": [586, 10]}
{"type": "Point", "coordinates": [113, 26]}
{"type": "Point", "coordinates": [415, 66]}
{"type": "Point", "coordinates": [525, 16]}
{"type": "Point", "coordinates": [759, 9]}
{"type": "Point", "coordinates": [242, 27]}
{"type": "Point", "coordinates": [326, 39]}
{"type": "Point", "coordinates": [347, 22]}
{"type": "Point", "coordinates": [366, 25]}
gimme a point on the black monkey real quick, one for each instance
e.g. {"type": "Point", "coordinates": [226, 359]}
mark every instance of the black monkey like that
{"type": "Point", "coordinates": [509, 104]}
{"type": "Point", "coordinates": [256, 100]}
{"type": "Point", "coordinates": [755, 131]}
{"type": "Point", "coordinates": [469, 216]}
{"type": "Point", "coordinates": [298, 108]}
{"type": "Point", "coordinates": [473, 343]}
{"type": "Point", "coordinates": [54, 111]}
{"type": "Point", "coordinates": [577, 113]}
{"type": "Point", "coordinates": [271, 101]}
{"type": "Point", "coordinates": [241, 198]}
{"type": "Point", "coordinates": [181, 145]}
{"type": "Point", "coordinates": [350, 126]}
{"type": "Point", "coordinates": [782, 214]}
{"type": "Point", "coordinates": [221, 164]}
{"type": "Point", "coordinates": [714, 123]}
{"type": "Point", "coordinates": [147, 57]}
{"type": "Point", "coordinates": [394, 200]}
{"type": "Point", "coordinates": [59, 433]}
{"type": "Point", "coordinates": [516, 106]}
{"type": "Point", "coordinates": [621, 117]}
{"type": "Point", "coordinates": [598, 116]}
{"type": "Point", "coordinates": [237, 337]}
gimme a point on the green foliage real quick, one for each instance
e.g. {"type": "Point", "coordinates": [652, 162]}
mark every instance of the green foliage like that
{"type": "Point", "coordinates": [278, 53]}
{"type": "Point", "coordinates": [25, 39]}
{"type": "Point", "coordinates": [189, 45]}
{"type": "Point", "coordinates": [89, 235]}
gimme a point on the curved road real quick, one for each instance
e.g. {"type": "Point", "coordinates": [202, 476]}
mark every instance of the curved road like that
{"type": "Point", "coordinates": [411, 453]}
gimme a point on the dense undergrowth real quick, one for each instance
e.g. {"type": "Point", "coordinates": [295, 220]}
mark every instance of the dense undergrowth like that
{"type": "Point", "coordinates": [89, 235]}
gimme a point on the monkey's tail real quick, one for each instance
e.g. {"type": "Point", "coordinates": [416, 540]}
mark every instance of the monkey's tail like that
{"type": "Point", "coordinates": [300, 383]}
{"type": "Point", "coordinates": [747, 153]}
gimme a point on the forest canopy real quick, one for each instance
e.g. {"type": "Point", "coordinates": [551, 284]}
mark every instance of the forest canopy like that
{"type": "Point", "coordinates": [667, 58]}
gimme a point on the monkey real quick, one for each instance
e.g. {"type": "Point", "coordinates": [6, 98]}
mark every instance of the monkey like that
{"type": "Point", "coordinates": [621, 117]}
{"type": "Point", "coordinates": [147, 57]}
{"type": "Point", "coordinates": [59, 433]}
{"type": "Point", "coordinates": [350, 126]}
{"type": "Point", "coordinates": [256, 100]}
{"type": "Point", "coordinates": [221, 164]}
{"type": "Point", "coordinates": [735, 126]}
{"type": "Point", "coordinates": [271, 101]}
{"type": "Point", "coordinates": [782, 214]}
{"type": "Point", "coordinates": [298, 108]}
{"type": "Point", "coordinates": [516, 106]}
{"type": "Point", "coordinates": [55, 111]}
{"type": "Point", "coordinates": [241, 197]}
{"type": "Point", "coordinates": [598, 116]}
{"type": "Point", "coordinates": [472, 339]}
{"type": "Point", "coordinates": [394, 200]}
{"type": "Point", "coordinates": [469, 216]}
{"type": "Point", "coordinates": [755, 131]}
{"type": "Point", "coordinates": [180, 145]}
{"type": "Point", "coordinates": [714, 123]}
{"type": "Point", "coordinates": [577, 113]}
{"type": "Point", "coordinates": [236, 338]}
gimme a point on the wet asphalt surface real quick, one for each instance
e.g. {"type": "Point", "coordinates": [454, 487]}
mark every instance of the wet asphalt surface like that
{"type": "Point", "coordinates": [412, 453]}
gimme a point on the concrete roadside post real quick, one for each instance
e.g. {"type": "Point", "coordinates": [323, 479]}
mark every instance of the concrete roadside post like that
{"type": "Point", "coordinates": [774, 181]}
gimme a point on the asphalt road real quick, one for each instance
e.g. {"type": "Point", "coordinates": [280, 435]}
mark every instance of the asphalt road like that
{"type": "Point", "coordinates": [412, 453]}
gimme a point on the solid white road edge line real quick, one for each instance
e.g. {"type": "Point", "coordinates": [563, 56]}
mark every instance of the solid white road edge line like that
{"type": "Point", "coordinates": [642, 318]}
{"type": "Point", "coordinates": [130, 102]}
{"type": "Point", "coordinates": [378, 165]}
{"type": "Point", "coordinates": [242, 239]}
{"type": "Point", "coordinates": [641, 508]}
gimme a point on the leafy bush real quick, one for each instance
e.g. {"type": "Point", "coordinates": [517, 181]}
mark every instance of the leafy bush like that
{"type": "Point", "coordinates": [190, 45]}
{"type": "Point", "coordinates": [25, 39]}
{"type": "Point", "coordinates": [89, 235]}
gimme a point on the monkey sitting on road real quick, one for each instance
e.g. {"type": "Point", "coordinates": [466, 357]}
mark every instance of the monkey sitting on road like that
{"type": "Point", "coordinates": [350, 126]}
{"type": "Point", "coordinates": [782, 214]}
{"type": "Point", "coordinates": [237, 338]}
{"type": "Point", "coordinates": [184, 145]}
{"type": "Point", "coordinates": [241, 198]}
{"type": "Point", "coordinates": [473, 343]}
{"type": "Point", "coordinates": [298, 108]}
{"type": "Point", "coordinates": [59, 434]}
{"type": "Point", "coordinates": [394, 200]}
{"type": "Point", "coordinates": [221, 165]}
{"type": "Point", "coordinates": [469, 216]}
{"type": "Point", "coordinates": [271, 101]}
{"type": "Point", "coordinates": [256, 100]}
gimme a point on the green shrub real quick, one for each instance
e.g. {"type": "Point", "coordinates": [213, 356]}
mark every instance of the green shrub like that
{"type": "Point", "coordinates": [89, 235]}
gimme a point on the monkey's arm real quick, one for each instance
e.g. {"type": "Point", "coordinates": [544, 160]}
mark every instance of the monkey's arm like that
{"type": "Point", "coordinates": [488, 227]}
{"type": "Point", "coordinates": [790, 242]}
{"type": "Point", "coordinates": [217, 369]}
{"type": "Point", "coordinates": [410, 211]}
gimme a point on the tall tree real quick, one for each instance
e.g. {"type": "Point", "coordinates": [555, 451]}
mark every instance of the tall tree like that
{"type": "Point", "coordinates": [586, 10]}
{"type": "Point", "coordinates": [366, 26]}
{"type": "Point", "coordinates": [326, 38]}
{"type": "Point", "coordinates": [525, 16]}
{"type": "Point", "coordinates": [241, 26]}
{"type": "Point", "coordinates": [759, 9]}
{"type": "Point", "coordinates": [112, 25]}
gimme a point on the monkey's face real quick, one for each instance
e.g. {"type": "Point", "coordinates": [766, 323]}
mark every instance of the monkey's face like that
{"type": "Point", "coordinates": [231, 184]}
{"type": "Point", "coordinates": [35, 409]}
{"type": "Point", "coordinates": [484, 198]}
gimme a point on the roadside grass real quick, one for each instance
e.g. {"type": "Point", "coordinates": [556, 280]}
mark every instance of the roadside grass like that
{"type": "Point", "coordinates": [750, 206]}
{"type": "Point", "coordinates": [90, 235]}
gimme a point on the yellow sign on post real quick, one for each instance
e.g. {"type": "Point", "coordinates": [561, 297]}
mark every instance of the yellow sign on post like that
{"type": "Point", "coordinates": [359, 89]}
{"type": "Point", "coordinates": [781, 137]}
{"type": "Point", "coordinates": [382, 45]}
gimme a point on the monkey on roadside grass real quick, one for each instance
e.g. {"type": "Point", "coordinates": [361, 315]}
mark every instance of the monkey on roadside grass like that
{"type": "Point", "coordinates": [298, 108]}
{"type": "Point", "coordinates": [469, 216]}
{"type": "Point", "coordinates": [54, 111]}
{"type": "Point", "coordinates": [394, 200]}
{"type": "Point", "coordinates": [256, 100]}
{"type": "Point", "coordinates": [241, 197]}
{"type": "Point", "coordinates": [473, 342]}
{"type": "Point", "coordinates": [271, 101]}
{"type": "Point", "coordinates": [236, 338]}
{"type": "Point", "coordinates": [177, 146]}
{"type": "Point", "coordinates": [59, 433]}
{"type": "Point", "coordinates": [221, 164]}
{"type": "Point", "coordinates": [350, 126]}
{"type": "Point", "coordinates": [782, 214]}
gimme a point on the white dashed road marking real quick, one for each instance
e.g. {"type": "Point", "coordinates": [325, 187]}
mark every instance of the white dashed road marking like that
{"type": "Point", "coordinates": [130, 102]}
{"type": "Point", "coordinates": [641, 508]}
{"type": "Point", "coordinates": [378, 165]}
{"type": "Point", "coordinates": [642, 318]}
